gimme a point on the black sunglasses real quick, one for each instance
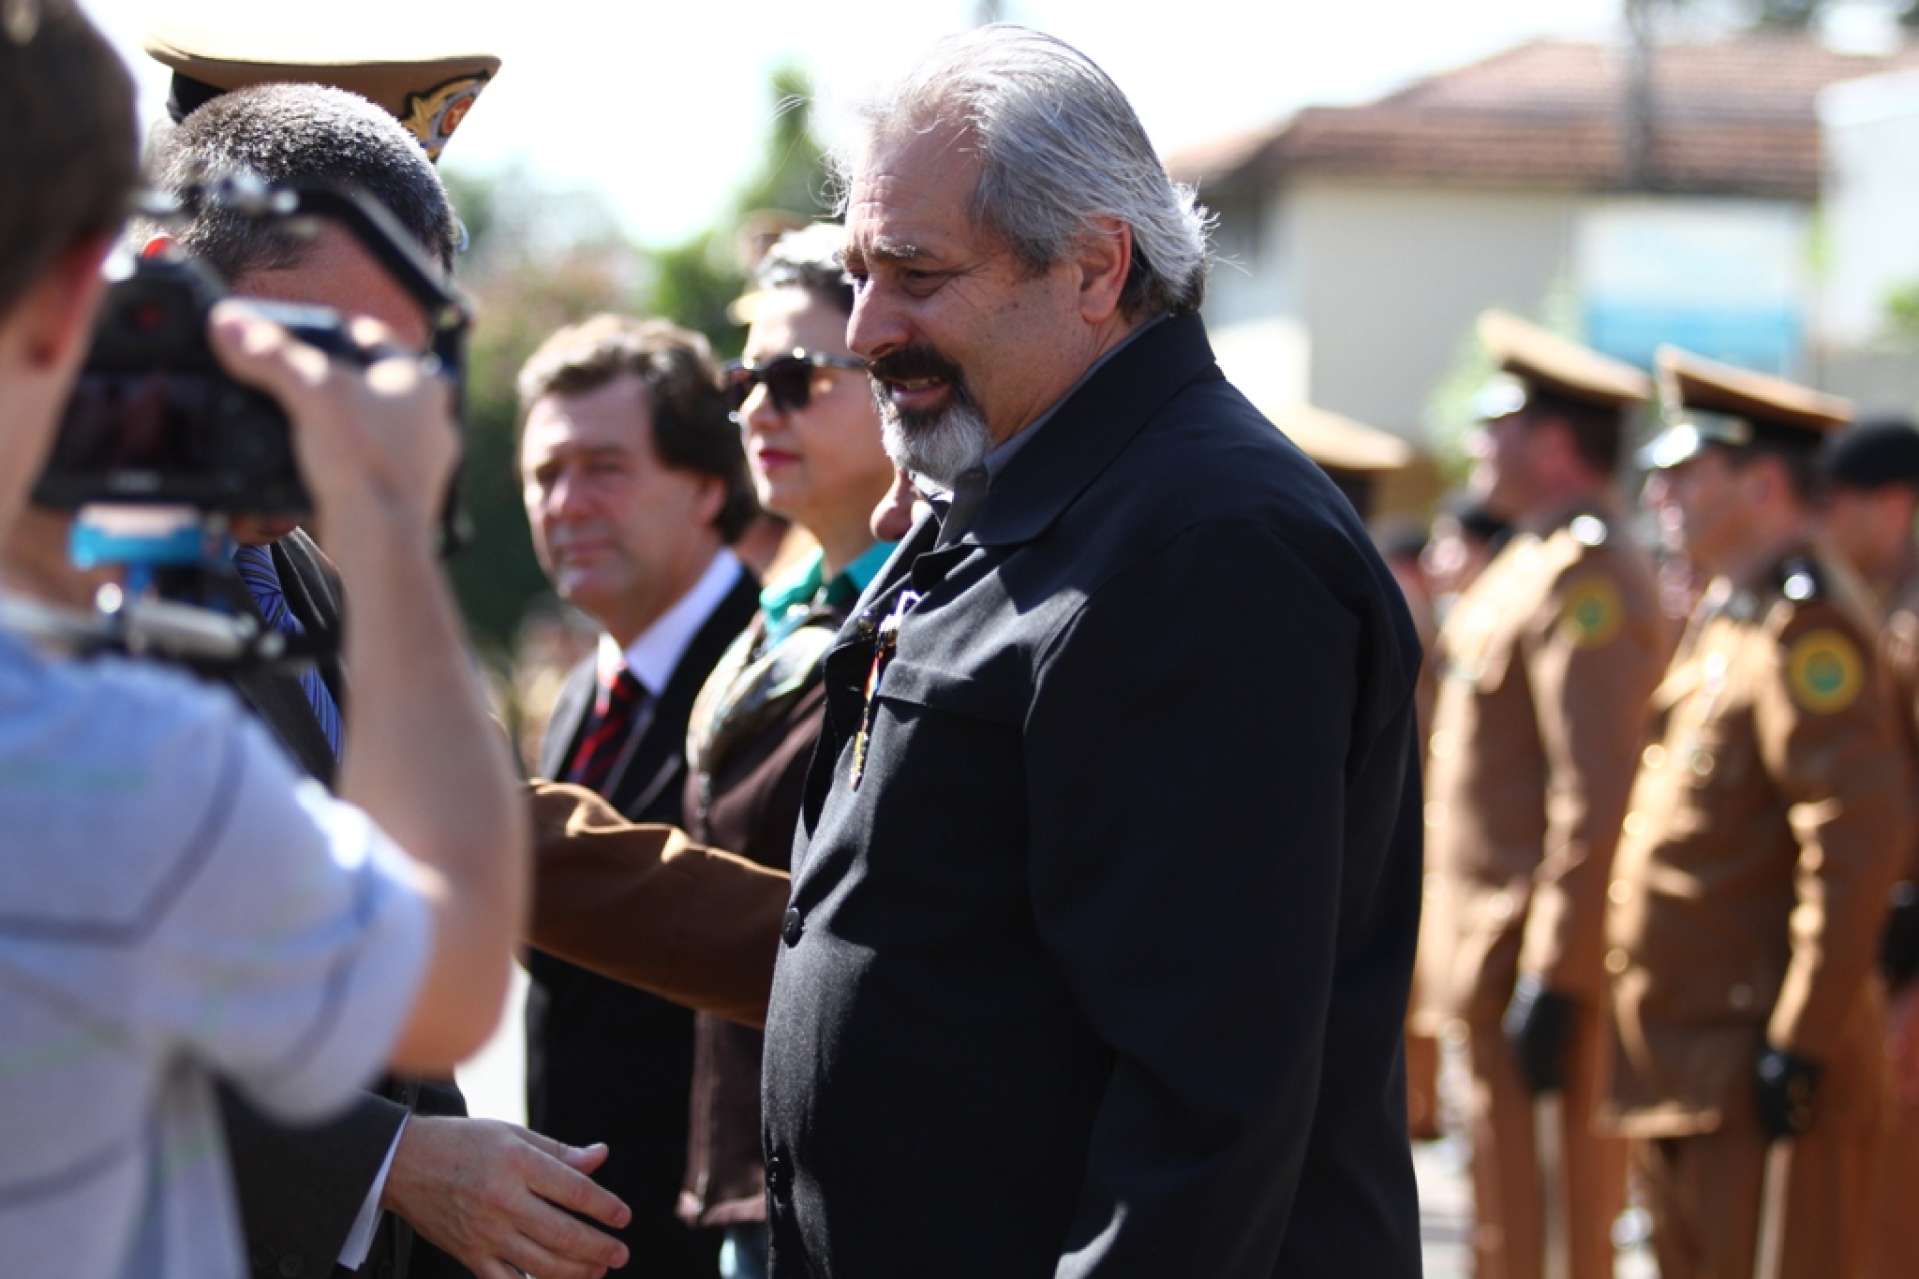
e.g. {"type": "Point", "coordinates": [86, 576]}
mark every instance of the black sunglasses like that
{"type": "Point", "coordinates": [788, 378]}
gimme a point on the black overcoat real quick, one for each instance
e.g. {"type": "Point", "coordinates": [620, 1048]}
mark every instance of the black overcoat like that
{"type": "Point", "coordinates": [1099, 966]}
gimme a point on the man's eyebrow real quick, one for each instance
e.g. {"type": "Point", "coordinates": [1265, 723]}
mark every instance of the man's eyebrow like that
{"type": "Point", "coordinates": [887, 249]}
{"type": "Point", "coordinates": [580, 452]}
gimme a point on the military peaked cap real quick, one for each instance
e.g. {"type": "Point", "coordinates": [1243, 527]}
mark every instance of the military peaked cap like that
{"type": "Point", "coordinates": [429, 89]}
{"type": "Point", "coordinates": [1533, 362]}
{"type": "Point", "coordinates": [1706, 403]}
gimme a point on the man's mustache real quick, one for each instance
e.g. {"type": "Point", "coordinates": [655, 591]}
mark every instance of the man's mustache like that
{"type": "Point", "coordinates": [911, 363]}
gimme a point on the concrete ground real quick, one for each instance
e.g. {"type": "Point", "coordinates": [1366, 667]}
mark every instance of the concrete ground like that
{"type": "Point", "coordinates": [494, 1083]}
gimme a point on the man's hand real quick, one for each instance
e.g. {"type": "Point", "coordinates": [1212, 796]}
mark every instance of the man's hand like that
{"type": "Point", "coordinates": [1539, 1025]}
{"type": "Point", "coordinates": [491, 1194]}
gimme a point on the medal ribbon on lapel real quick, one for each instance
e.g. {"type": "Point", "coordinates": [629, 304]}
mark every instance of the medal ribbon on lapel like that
{"type": "Point", "coordinates": [884, 646]}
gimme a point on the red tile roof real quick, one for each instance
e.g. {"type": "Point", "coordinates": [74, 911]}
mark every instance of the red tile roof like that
{"type": "Point", "coordinates": [1735, 116]}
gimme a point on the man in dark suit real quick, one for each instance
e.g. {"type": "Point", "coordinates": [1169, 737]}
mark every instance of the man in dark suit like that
{"type": "Point", "coordinates": [1107, 878]}
{"type": "Point", "coordinates": [635, 484]}
{"type": "Point", "coordinates": [314, 1198]}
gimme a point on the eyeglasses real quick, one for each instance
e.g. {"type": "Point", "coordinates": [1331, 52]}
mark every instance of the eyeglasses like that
{"type": "Point", "coordinates": [788, 378]}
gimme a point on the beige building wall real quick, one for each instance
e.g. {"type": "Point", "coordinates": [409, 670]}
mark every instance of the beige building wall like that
{"type": "Point", "coordinates": [1391, 279]}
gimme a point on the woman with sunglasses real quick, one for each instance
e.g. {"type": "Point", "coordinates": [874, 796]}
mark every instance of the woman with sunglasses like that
{"type": "Point", "coordinates": [812, 436]}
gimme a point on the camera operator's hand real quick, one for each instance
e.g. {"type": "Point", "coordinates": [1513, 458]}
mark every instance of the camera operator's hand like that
{"type": "Point", "coordinates": [491, 1194]}
{"type": "Point", "coordinates": [383, 434]}
{"type": "Point", "coordinates": [421, 754]}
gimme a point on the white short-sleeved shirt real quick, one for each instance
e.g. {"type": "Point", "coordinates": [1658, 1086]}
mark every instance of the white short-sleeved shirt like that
{"type": "Point", "coordinates": [175, 903]}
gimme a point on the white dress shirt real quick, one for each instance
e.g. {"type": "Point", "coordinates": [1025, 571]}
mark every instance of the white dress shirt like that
{"type": "Point", "coordinates": [657, 652]}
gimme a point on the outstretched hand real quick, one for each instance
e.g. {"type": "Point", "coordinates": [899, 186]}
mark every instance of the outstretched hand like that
{"type": "Point", "coordinates": [492, 1195]}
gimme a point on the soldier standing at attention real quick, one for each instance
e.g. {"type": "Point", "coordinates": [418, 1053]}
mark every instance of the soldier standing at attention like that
{"type": "Point", "coordinates": [1872, 478]}
{"type": "Point", "coordinates": [1547, 662]}
{"type": "Point", "coordinates": [1765, 828]}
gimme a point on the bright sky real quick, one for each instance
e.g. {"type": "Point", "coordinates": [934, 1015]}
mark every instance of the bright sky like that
{"type": "Point", "coordinates": [664, 106]}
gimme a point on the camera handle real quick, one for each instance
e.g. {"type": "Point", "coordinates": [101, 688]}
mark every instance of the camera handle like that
{"type": "Point", "coordinates": [181, 601]}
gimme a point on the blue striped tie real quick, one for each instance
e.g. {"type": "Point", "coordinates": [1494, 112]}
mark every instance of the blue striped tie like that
{"type": "Point", "coordinates": [263, 583]}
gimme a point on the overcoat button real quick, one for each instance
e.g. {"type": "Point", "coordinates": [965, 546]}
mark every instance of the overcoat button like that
{"type": "Point", "coordinates": [779, 1175]}
{"type": "Point", "coordinates": [794, 926]}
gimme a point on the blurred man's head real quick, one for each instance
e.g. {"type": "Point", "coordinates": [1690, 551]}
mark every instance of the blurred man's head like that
{"type": "Point", "coordinates": [306, 133]}
{"type": "Point", "coordinates": [1552, 423]}
{"type": "Point", "coordinates": [1872, 489]}
{"type": "Point", "coordinates": [68, 165]}
{"type": "Point", "coordinates": [630, 466]}
{"type": "Point", "coordinates": [1007, 222]}
{"type": "Point", "coordinates": [1737, 466]}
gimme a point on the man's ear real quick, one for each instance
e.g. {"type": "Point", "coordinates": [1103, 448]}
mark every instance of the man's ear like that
{"type": "Point", "coordinates": [56, 314]}
{"type": "Point", "coordinates": [1104, 260]}
{"type": "Point", "coordinates": [711, 498]}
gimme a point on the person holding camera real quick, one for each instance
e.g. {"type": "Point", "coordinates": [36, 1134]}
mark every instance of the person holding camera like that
{"type": "Point", "coordinates": [403, 1184]}
{"type": "Point", "coordinates": [178, 904]}
{"type": "Point", "coordinates": [478, 1193]}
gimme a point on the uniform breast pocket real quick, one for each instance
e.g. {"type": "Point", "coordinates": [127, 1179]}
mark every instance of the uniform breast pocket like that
{"type": "Point", "coordinates": [945, 758]}
{"type": "Point", "coordinates": [920, 709]}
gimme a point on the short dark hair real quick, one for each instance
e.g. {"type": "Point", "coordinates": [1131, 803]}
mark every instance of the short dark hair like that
{"type": "Point", "coordinates": [69, 150]}
{"type": "Point", "coordinates": [283, 133]}
{"type": "Point", "coordinates": [809, 259]}
{"type": "Point", "coordinates": [692, 429]}
{"type": "Point", "coordinates": [1597, 432]}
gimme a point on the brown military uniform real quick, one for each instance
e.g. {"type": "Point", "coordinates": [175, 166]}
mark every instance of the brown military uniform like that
{"type": "Point", "coordinates": [1896, 1213]}
{"type": "Point", "coordinates": [1548, 660]}
{"type": "Point", "coordinates": [1748, 895]}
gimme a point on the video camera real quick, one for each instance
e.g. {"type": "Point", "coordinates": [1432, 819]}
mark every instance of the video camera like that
{"type": "Point", "coordinates": [159, 447]}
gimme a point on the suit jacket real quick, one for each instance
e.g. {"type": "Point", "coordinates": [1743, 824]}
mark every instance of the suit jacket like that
{"type": "Point", "coordinates": [606, 1062]}
{"type": "Point", "coordinates": [1548, 662]}
{"type": "Point", "coordinates": [300, 1188]}
{"type": "Point", "coordinates": [1770, 815]}
{"type": "Point", "coordinates": [1104, 901]}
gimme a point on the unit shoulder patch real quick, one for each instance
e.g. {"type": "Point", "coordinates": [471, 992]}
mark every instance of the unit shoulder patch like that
{"type": "Point", "coordinates": [1825, 671]}
{"type": "Point", "coordinates": [1592, 611]}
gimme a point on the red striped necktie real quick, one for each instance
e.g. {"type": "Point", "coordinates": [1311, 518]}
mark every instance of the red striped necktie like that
{"type": "Point", "coordinates": [614, 711]}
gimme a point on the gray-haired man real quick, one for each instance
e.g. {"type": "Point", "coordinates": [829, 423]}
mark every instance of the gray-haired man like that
{"type": "Point", "coordinates": [1107, 879]}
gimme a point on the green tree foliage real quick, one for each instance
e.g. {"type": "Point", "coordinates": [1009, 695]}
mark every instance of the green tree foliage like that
{"type": "Point", "coordinates": [538, 259]}
{"type": "Point", "coordinates": [535, 261]}
{"type": "Point", "coordinates": [693, 282]}
{"type": "Point", "coordinates": [792, 173]}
